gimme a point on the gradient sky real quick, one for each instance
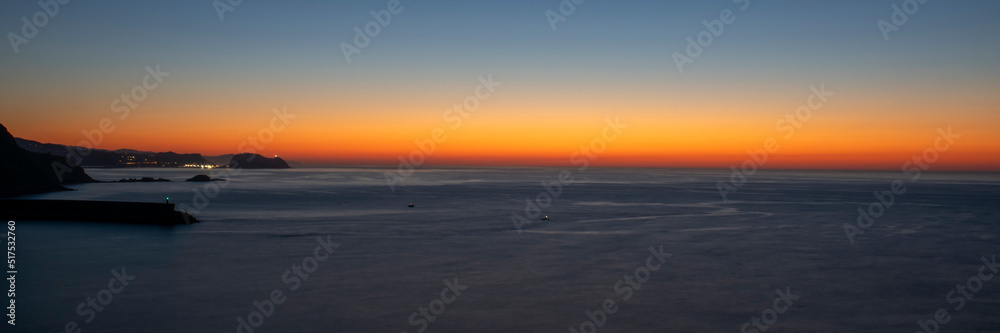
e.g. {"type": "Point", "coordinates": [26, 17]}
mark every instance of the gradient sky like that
{"type": "Point", "coordinates": [609, 59]}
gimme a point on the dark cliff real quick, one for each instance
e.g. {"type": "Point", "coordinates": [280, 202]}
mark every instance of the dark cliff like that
{"type": "Point", "coordinates": [23, 173]}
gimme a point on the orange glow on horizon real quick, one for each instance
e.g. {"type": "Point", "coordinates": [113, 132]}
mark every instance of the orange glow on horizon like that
{"type": "Point", "coordinates": [855, 130]}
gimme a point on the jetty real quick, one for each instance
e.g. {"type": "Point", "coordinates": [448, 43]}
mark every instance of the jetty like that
{"type": "Point", "coordinates": [97, 211]}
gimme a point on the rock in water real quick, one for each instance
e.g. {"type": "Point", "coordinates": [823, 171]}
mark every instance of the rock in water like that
{"type": "Point", "coordinates": [204, 178]}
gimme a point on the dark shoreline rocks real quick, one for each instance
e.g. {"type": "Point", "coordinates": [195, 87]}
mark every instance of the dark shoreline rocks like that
{"type": "Point", "coordinates": [24, 173]}
{"type": "Point", "coordinates": [204, 178]}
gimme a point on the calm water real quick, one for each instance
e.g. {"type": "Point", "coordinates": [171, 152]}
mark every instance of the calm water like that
{"type": "Point", "coordinates": [781, 230]}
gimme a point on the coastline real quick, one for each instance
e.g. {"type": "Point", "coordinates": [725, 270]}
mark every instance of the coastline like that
{"type": "Point", "coordinates": [95, 211]}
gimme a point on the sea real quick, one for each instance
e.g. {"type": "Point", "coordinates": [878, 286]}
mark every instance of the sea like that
{"type": "Point", "coordinates": [622, 250]}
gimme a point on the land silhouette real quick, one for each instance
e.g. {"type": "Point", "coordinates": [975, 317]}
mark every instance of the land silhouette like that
{"type": "Point", "coordinates": [132, 158]}
{"type": "Point", "coordinates": [29, 167]}
{"type": "Point", "coordinates": [23, 172]}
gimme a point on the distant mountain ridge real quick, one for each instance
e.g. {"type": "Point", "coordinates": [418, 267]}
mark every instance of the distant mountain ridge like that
{"type": "Point", "coordinates": [129, 158]}
{"type": "Point", "coordinates": [111, 159]}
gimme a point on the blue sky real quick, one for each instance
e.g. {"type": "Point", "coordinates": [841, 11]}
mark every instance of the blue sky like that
{"type": "Point", "coordinates": [436, 37]}
{"type": "Point", "coordinates": [271, 53]}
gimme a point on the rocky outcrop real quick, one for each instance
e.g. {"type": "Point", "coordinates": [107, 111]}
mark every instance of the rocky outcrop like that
{"type": "Point", "coordinates": [23, 173]}
{"type": "Point", "coordinates": [204, 178]}
{"type": "Point", "coordinates": [64, 172]}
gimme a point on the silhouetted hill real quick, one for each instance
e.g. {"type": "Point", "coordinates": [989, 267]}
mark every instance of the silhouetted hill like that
{"type": "Point", "coordinates": [256, 161]}
{"type": "Point", "coordinates": [121, 158]}
{"type": "Point", "coordinates": [127, 158]}
{"type": "Point", "coordinates": [23, 172]}
{"type": "Point", "coordinates": [219, 160]}
{"type": "Point", "coordinates": [45, 148]}
{"type": "Point", "coordinates": [69, 175]}
{"type": "Point", "coordinates": [172, 159]}
{"type": "Point", "coordinates": [134, 152]}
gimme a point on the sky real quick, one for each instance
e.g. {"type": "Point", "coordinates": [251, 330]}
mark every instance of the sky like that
{"type": "Point", "coordinates": [556, 88]}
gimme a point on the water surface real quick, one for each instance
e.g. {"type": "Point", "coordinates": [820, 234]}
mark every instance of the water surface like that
{"type": "Point", "coordinates": [782, 229]}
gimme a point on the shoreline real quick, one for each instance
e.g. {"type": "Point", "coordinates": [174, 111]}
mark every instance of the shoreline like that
{"type": "Point", "coordinates": [95, 211]}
